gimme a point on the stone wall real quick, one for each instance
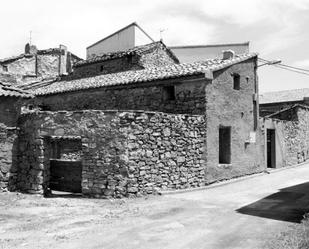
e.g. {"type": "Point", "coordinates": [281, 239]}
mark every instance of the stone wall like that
{"type": "Point", "coordinates": [8, 158]}
{"type": "Point", "coordinates": [10, 110]}
{"type": "Point", "coordinates": [190, 98]}
{"type": "Point", "coordinates": [123, 153]}
{"type": "Point", "coordinates": [105, 67]}
{"type": "Point", "coordinates": [228, 107]}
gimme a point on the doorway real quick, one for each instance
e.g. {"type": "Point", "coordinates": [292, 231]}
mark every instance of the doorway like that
{"type": "Point", "coordinates": [225, 145]}
{"type": "Point", "coordinates": [66, 165]}
{"type": "Point", "coordinates": [271, 148]}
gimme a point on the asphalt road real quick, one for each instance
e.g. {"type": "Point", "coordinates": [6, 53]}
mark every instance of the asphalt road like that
{"type": "Point", "coordinates": [241, 214]}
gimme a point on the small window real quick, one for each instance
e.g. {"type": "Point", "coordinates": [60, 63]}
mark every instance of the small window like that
{"type": "Point", "coordinates": [101, 68]}
{"type": "Point", "coordinates": [5, 68]}
{"type": "Point", "coordinates": [236, 81]}
{"type": "Point", "coordinates": [169, 93]}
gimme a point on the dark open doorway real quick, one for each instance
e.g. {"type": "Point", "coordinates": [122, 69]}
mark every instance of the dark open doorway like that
{"type": "Point", "coordinates": [66, 165]}
{"type": "Point", "coordinates": [224, 145]}
{"type": "Point", "coordinates": [271, 148]}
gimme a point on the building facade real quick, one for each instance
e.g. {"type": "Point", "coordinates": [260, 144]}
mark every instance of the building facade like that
{"type": "Point", "coordinates": [189, 125]}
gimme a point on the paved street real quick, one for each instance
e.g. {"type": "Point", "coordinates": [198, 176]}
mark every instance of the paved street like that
{"type": "Point", "coordinates": [241, 214]}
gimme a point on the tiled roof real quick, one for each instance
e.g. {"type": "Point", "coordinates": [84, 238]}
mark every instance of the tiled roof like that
{"type": "Point", "coordinates": [136, 50]}
{"type": "Point", "coordinates": [138, 76]}
{"type": "Point", "coordinates": [8, 91]}
{"type": "Point", "coordinates": [286, 109]}
{"type": "Point", "coordinates": [284, 96]}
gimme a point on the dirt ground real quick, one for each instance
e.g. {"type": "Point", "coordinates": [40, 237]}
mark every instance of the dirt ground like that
{"type": "Point", "coordinates": [239, 215]}
{"type": "Point", "coordinates": [32, 221]}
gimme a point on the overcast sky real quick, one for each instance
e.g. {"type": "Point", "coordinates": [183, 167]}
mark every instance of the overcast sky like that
{"type": "Point", "coordinates": [276, 29]}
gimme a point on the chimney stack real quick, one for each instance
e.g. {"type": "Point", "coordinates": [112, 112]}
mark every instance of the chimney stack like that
{"type": "Point", "coordinates": [30, 49]}
{"type": "Point", "coordinates": [228, 54]}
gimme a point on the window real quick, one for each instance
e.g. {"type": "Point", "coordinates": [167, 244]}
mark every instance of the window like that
{"type": "Point", "coordinates": [101, 68]}
{"type": "Point", "coordinates": [5, 68]}
{"type": "Point", "coordinates": [169, 93]}
{"type": "Point", "coordinates": [236, 81]}
{"type": "Point", "coordinates": [224, 145]}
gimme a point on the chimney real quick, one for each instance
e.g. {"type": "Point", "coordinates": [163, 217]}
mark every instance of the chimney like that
{"type": "Point", "coordinates": [30, 49]}
{"type": "Point", "coordinates": [228, 54]}
{"type": "Point", "coordinates": [63, 60]}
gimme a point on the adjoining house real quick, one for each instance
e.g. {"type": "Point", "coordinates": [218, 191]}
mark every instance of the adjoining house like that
{"type": "Point", "coordinates": [287, 136]}
{"type": "Point", "coordinates": [124, 39]}
{"type": "Point", "coordinates": [37, 65]}
{"type": "Point", "coordinates": [11, 99]}
{"type": "Point", "coordinates": [169, 127]}
{"type": "Point", "coordinates": [271, 102]}
{"type": "Point", "coordinates": [191, 53]}
{"type": "Point", "coordinates": [154, 54]}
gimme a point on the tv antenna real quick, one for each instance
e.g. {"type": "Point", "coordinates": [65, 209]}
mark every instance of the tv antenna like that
{"type": "Point", "coordinates": [30, 37]}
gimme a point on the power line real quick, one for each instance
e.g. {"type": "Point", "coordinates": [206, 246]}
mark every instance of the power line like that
{"type": "Point", "coordinates": [288, 68]}
{"type": "Point", "coordinates": [284, 65]}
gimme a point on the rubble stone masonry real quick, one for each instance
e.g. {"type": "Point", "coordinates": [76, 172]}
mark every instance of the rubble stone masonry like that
{"type": "Point", "coordinates": [189, 98]}
{"type": "Point", "coordinates": [8, 158]}
{"type": "Point", "coordinates": [123, 153]}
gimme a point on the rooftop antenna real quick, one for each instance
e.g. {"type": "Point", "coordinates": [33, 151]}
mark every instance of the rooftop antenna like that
{"type": "Point", "coordinates": [30, 37]}
{"type": "Point", "coordinates": [161, 31]}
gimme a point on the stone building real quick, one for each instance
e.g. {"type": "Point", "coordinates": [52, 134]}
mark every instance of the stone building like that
{"type": "Point", "coordinates": [155, 54]}
{"type": "Point", "coordinates": [188, 125]}
{"type": "Point", "coordinates": [37, 65]}
{"type": "Point", "coordinates": [272, 102]}
{"type": "Point", "coordinates": [11, 100]}
{"type": "Point", "coordinates": [287, 136]}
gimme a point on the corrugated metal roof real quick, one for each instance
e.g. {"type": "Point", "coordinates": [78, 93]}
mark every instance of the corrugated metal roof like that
{"type": "Point", "coordinates": [138, 76]}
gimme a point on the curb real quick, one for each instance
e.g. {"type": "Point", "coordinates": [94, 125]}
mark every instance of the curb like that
{"type": "Point", "coordinates": [211, 185]}
{"type": "Point", "coordinates": [226, 182]}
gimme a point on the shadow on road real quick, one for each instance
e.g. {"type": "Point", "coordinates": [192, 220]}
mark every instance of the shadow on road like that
{"type": "Point", "coordinates": [289, 204]}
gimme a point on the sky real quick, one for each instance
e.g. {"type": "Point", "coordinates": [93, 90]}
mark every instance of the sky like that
{"type": "Point", "coordinates": [276, 29]}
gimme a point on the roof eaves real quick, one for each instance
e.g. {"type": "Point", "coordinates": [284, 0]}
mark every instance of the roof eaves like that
{"type": "Point", "coordinates": [211, 45]}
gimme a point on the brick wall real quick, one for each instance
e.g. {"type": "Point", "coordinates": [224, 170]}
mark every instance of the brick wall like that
{"type": "Point", "coordinates": [123, 153]}
{"type": "Point", "coordinates": [227, 107]}
{"type": "Point", "coordinates": [190, 98]}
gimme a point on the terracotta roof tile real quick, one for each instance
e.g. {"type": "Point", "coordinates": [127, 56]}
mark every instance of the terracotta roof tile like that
{"type": "Point", "coordinates": [119, 54]}
{"type": "Point", "coordinates": [138, 76]}
{"type": "Point", "coordinates": [9, 91]}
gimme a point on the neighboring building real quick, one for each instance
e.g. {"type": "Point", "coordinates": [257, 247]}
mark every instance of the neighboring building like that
{"type": "Point", "coordinates": [209, 130]}
{"type": "Point", "coordinates": [272, 102]}
{"type": "Point", "coordinates": [36, 65]}
{"type": "Point", "coordinates": [287, 136]}
{"type": "Point", "coordinates": [126, 38]}
{"type": "Point", "coordinates": [11, 100]}
{"type": "Point", "coordinates": [203, 52]}
{"type": "Point", "coordinates": [155, 54]}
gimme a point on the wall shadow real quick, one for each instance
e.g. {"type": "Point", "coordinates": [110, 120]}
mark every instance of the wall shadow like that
{"type": "Point", "coordinates": [289, 204]}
